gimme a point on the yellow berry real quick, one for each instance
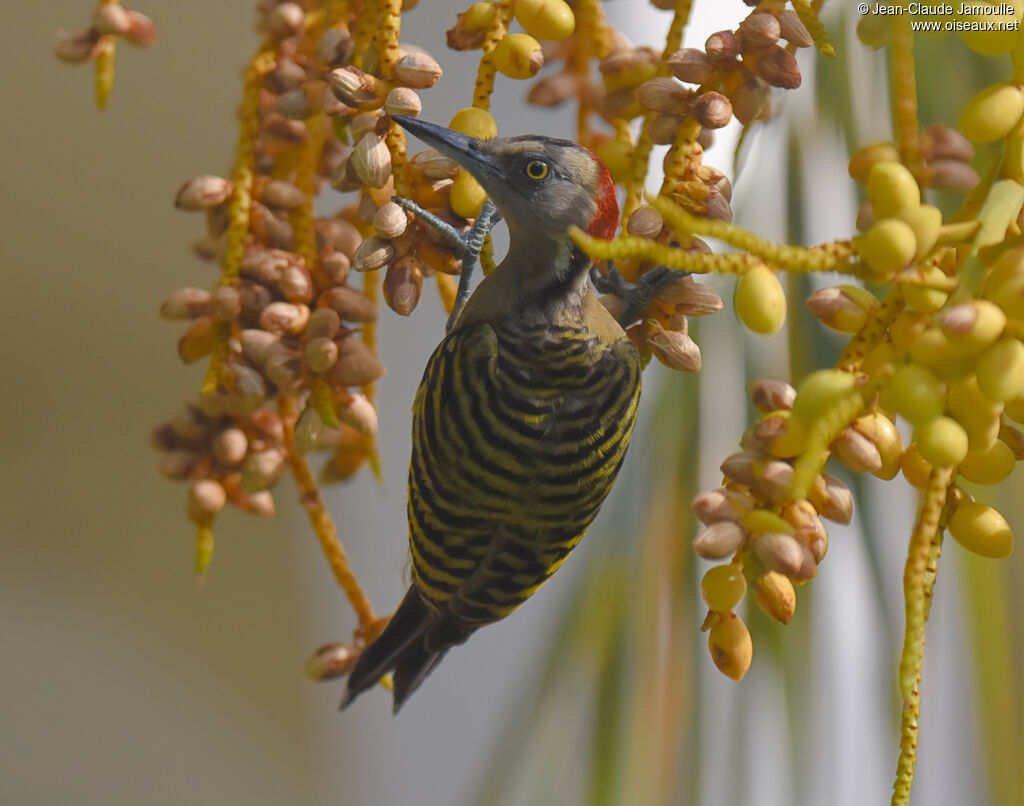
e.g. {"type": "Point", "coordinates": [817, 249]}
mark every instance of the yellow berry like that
{"type": "Point", "coordinates": [545, 19]}
{"type": "Point", "coordinates": [1015, 410]}
{"type": "Point", "coordinates": [723, 587]}
{"type": "Point", "coordinates": [915, 393]}
{"type": "Point", "coordinates": [730, 646]}
{"type": "Point", "coordinates": [467, 197]}
{"type": "Point", "coordinates": [925, 220]}
{"type": "Point", "coordinates": [979, 528]}
{"type": "Point", "coordinates": [1000, 38]}
{"type": "Point", "coordinates": [888, 246]}
{"type": "Point", "coordinates": [973, 325]}
{"type": "Point", "coordinates": [820, 391]}
{"type": "Point", "coordinates": [479, 16]}
{"type": "Point", "coordinates": [916, 469]}
{"type": "Point", "coordinates": [976, 413]}
{"type": "Point", "coordinates": [865, 158]}
{"type": "Point", "coordinates": [989, 467]}
{"type": "Point", "coordinates": [942, 441]}
{"type": "Point", "coordinates": [760, 300]}
{"type": "Point", "coordinates": [518, 56]}
{"type": "Point", "coordinates": [992, 113]}
{"type": "Point", "coordinates": [617, 156]}
{"type": "Point", "coordinates": [922, 299]}
{"type": "Point", "coordinates": [933, 350]}
{"type": "Point", "coordinates": [475, 122]}
{"type": "Point", "coordinates": [1001, 370]}
{"type": "Point", "coordinates": [892, 189]}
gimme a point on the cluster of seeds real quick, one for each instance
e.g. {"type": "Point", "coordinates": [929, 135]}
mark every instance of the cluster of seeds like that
{"type": "Point", "coordinates": [773, 538]}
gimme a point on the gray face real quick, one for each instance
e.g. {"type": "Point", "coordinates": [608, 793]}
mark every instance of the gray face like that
{"type": "Point", "coordinates": [540, 184]}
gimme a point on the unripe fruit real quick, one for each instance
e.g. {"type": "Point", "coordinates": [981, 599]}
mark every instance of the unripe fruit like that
{"type": "Point", "coordinates": [1001, 370]}
{"type": "Point", "coordinates": [1001, 38]}
{"type": "Point", "coordinates": [888, 246]}
{"type": "Point", "coordinates": [973, 325]}
{"type": "Point", "coordinates": [989, 467]}
{"type": "Point", "coordinates": [730, 646]}
{"type": "Point", "coordinates": [976, 413]}
{"type": "Point", "coordinates": [760, 300]}
{"type": "Point", "coordinates": [892, 189]}
{"type": "Point", "coordinates": [466, 196]}
{"type": "Point", "coordinates": [479, 16]}
{"type": "Point", "coordinates": [819, 392]}
{"type": "Point", "coordinates": [916, 469]}
{"type": "Point", "coordinates": [864, 159]}
{"type": "Point", "coordinates": [545, 19]}
{"type": "Point", "coordinates": [915, 393]}
{"type": "Point", "coordinates": [518, 56]}
{"type": "Point", "coordinates": [981, 529]}
{"type": "Point", "coordinates": [617, 156]}
{"type": "Point", "coordinates": [923, 299]}
{"type": "Point", "coordinates": [933, 350]}
{"type": "Point", "coordinates": [942, 441]}
{"type": "Point", "coordinates": [992, 113]}
{"type": "Point", "coordinates": [475, 122]}
{"type": "Point", "coordinates": [925, 220]}
{"type": "Point", "coordinates": [722, 588]}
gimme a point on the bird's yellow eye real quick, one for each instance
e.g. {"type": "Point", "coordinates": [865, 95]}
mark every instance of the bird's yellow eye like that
{"type": "Point", "coordinates": [536, 169]}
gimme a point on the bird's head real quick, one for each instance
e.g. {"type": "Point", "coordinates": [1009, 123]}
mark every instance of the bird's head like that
{"type": "Point", "coordinates": [540, 185]}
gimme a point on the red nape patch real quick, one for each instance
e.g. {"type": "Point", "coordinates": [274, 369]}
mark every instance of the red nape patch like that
{"type": "Point", "coordinates": [606, 217]}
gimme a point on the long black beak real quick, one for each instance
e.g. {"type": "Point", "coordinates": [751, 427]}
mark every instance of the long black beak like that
{"type": "Point", "coordinates": [462, 148]}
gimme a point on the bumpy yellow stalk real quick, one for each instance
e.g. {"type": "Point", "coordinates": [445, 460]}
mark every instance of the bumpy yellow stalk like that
{"type": "Point", "coordinates": [366, 28]}
{"type": "Point", "coordinates": [631, 246]}
{"type": "Point", "coordinates": [827, 257]}
{"type": "Point", "coordinates": [387, 47]}
{"type": "Point", "coordinates": [241, 200]}
{"type": "Point", "coordinates": [918, 582]}
{"type": "Point", "coordinates": [484, 85]}
{"type": "Point", "coordinates": [204, 547]}
{"type": "Point", "coordinates": [642, 149]}
{"type": "Point", "coordinates": [371, 289]}
{"type": "Point", "coordinates": [106, 56]}
{"type": "Point", "coordinates": [819, 436]}
{"type": "Point", "coordinates": [904, 93]}
{"type": "Point", "coordinates": [305, 179]}
{"type": "Point", "coordinates": [320, 520]}
{"type": "Point", "coordinates": [809, 17]}
{"type": "Point", "coordinates": [873, 331]}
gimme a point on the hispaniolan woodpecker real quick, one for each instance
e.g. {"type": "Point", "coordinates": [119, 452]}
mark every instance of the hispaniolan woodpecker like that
{"type": "Point", "coordinates": [524, 413]}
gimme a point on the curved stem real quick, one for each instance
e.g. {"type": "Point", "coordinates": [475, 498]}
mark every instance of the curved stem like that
{"type": "Point", "coordinates": [320, 519]}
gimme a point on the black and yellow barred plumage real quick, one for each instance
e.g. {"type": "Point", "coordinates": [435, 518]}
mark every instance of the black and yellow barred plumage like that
{"type": "Point", "coordinates": [518, 434]}
{"type": "Point", "coordinates": [523, 415]}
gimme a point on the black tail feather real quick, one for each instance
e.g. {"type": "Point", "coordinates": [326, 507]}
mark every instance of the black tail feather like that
{"type": "Point", "coordinates": [411, 671]}
{"type": "Point", "coordinates": [402, 639]}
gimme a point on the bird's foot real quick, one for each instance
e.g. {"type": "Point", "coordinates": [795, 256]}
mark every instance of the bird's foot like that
{"type": "Point", "coordinates": [467, 244]}
{"type": "Point", "coordinates": [636, 297]}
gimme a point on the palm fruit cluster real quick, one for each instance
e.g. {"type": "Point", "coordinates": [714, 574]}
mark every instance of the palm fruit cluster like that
{"type": "Point", "coordinates": [771, 538]}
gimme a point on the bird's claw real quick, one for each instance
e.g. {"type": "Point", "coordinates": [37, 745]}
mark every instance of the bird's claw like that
{"type": "Point", "coordinates": [635, 296]}
{"type": "Point", "coordinates": [467, 244]}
